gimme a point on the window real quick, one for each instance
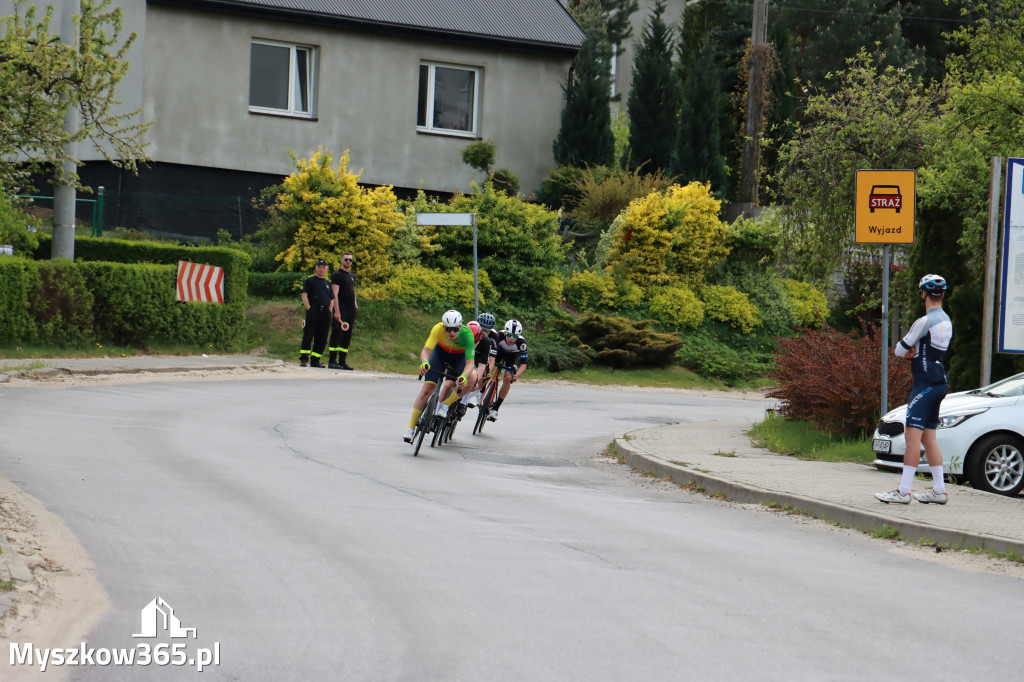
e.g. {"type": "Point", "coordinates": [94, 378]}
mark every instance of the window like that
{"type": "Point", "coordinates": [448, 99]}
{"type": "Point", "coordinates": [281, 78]}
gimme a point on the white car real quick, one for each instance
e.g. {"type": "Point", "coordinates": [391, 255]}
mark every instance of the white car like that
{"type": "Point", "coordinates": [981, 434]}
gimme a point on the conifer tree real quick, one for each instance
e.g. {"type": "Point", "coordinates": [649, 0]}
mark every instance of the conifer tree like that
{"type": "Point", "coordinates": [697, 154]}
{"type": "Point", "coordinates": [585, 137]}
{"type": "Point", "coordinates": [653, 98]}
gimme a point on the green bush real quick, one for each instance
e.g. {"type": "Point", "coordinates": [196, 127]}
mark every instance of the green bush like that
{"type": "Point", "coordinates": [66, 303]}
{"type": "Point", "coordinates": [131, 303]}
{"type": "Point", "coordinates": [731, 306]}
{"type": "Point", "coordinates": [14, 229]}
{"type": "Point", "coordinates": [556, 355]}
{"type": "Point", "coordinates": [235, 262]}
{"type": "Point", "coordinates": [621, 342]}
{"type": "Point", "coordinates": [427, 289]}
{"type": "Point", "coordinates": [589, 290]}
{"type": "Point", "coordinates": [61, 303]}
{"type": "Point", "coordinates": [17, 278]}
{"type": "Point", "coordinates": [810, 306]}
{"type": "Point", "coordinates": [714, 359]}
{"type": "Point", "coordinates": [276, 284]}
{"type": "Point", "coordinates": [518, 245]}
{"type": "Point", "coordinates": [677, 307]}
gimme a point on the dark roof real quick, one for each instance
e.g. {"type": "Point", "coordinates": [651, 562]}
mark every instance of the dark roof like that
{"type": "Point", "coordinates": [525, 24]}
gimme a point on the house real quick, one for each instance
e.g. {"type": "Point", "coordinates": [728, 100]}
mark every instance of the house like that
{"type": "Point", "coordinates": [233, 86]}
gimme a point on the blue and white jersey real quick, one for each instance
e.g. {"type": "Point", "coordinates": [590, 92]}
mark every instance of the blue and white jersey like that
{"type": "Point", "coordinates": [929, 336]}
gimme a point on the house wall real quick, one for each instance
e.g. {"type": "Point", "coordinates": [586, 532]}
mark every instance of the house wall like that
{"type": "Point", "coordinates": [197, 84]}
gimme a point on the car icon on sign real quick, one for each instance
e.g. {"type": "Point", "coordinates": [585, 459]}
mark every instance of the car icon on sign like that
{"type": "Point", "coordinates": [885, 196]}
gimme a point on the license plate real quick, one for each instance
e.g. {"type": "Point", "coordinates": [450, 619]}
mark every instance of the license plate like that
{"type": "Point", "coordinates": [881, 445]}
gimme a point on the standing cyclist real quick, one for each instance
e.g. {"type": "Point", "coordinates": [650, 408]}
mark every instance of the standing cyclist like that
{"type": "Point", "coordinates": [451, 344]}
{"type": "Point", "coordinates": [925, 346]}
{"type": "Point", "coordinates": [511, 360]}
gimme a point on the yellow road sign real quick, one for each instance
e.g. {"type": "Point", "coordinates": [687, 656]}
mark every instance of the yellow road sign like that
{"type": "Point", "coordinates": [885, 203]}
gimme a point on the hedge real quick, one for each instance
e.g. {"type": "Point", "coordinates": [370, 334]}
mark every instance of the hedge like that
{"type": "Point", "coordinates": [235, 263]}
{"type": "Point", "coordinates": [119, 292]}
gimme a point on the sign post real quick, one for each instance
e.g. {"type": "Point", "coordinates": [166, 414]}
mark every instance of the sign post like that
{"type": "Point", "coordinates": [457, 219]}
{"type": "Point", "coordinates": [885, 206]}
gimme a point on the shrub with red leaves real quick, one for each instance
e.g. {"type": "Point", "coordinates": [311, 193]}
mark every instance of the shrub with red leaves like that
{"type": "Point", "coordinates": [834, 379]}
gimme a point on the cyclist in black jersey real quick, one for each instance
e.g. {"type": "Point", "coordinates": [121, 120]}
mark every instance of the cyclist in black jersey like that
{"type": "Point", "coordinates": [511, 359]}
{"type": "Point", "coordinates": [484, 356]}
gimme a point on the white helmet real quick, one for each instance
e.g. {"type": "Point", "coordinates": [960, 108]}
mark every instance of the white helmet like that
{"type": "Point", "coordinates": [513, 328]}
{"type": "Point", "coordinates": [452, 318]}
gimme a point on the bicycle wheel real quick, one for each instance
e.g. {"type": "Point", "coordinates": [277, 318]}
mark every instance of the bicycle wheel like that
{"type": "Point", "coordinates": [423, 424]}
{"type": "Point", "coordinates": [484, 407]}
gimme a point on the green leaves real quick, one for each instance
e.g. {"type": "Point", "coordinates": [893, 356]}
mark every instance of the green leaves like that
{"type": "Point", "coordinates": [42, 74]}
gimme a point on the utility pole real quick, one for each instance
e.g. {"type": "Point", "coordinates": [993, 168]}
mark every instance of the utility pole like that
{"type": "Point", "coordinates": [755, 105]}
{"type": "Point", "coordinates": [991, 258]}
{"type": "Point", "coordinates": [64, 194]}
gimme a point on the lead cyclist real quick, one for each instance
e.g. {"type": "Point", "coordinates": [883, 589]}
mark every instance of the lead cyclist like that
{"type": "Point", "coordinates": [449, 343]}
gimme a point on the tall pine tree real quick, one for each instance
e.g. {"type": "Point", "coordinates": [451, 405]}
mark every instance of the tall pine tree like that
{"type": "Point", "coordinates": [697, 153]}
{"type": "Point", "coordinates": [585, 138]}
{"type": "Point", "coordinates": [653, 98]}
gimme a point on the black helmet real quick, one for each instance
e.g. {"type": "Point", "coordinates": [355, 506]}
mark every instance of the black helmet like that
{"type": "Point", "coordinates": [486, 321]}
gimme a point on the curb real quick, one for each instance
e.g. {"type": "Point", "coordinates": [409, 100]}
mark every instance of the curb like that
{"type": "Point", "coordinates": [837, 513]}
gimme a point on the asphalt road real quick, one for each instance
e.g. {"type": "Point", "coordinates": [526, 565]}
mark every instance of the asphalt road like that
{"type": "Point", "coordinates": [287, 522]}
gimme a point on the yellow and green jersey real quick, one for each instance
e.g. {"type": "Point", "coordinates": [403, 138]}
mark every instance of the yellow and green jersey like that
{"type": "Point", "coordinates": [463, 344]}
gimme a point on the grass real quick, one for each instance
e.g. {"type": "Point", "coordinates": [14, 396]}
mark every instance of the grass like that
{"type": "Point", "coordinates": [387, 338]}
{"type": "Point", "coordinates": [804, 440]}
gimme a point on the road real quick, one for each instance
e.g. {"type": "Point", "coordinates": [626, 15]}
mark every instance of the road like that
{"type": "Point", "coordinates": [287, 522]}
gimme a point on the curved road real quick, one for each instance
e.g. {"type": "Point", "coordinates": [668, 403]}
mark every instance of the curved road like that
{"type": "Point", "coordinates": [286, 521]}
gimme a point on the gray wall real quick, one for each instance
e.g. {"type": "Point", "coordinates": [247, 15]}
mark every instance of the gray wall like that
{"type": "Point", "coordinates": [197, 83]}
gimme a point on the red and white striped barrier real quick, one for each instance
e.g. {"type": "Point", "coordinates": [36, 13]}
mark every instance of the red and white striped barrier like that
{"type": "Point", "coordinates": [199, 282]}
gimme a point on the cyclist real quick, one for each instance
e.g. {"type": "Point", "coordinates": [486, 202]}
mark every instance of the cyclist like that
{"type": "Point", "coordinates": [484, 354]}
{"type": "Point", "coordinates": [449, 343]}
{"type": "Point", "coordinates": [925, 345]}
{"type": "Point", "coordinates": [511, 359]}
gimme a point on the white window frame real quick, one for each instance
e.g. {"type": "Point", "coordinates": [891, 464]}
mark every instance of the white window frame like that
{"type": "Point", "coordinates": [432, 66]}
{"type": "Point", "coordinates": [293, 77]}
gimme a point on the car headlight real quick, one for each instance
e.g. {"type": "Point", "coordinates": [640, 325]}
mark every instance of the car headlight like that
{"type": "Point", "coordinates": [948, 421]}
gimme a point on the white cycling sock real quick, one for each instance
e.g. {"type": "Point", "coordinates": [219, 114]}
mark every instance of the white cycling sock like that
{"type": "Point", "coordinates": [907, 481]}
{"type": "Point", "coordinates": [938, 481]}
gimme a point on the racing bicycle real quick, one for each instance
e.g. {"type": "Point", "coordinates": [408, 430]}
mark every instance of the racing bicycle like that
{"type": "Point", "coordinates": [429, 422]}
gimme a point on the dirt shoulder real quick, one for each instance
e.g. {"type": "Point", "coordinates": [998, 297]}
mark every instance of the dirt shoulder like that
{"type": "Point", "coordinates": [56, 597]}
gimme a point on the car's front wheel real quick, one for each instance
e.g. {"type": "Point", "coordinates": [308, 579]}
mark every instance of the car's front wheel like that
{"type": "Point", "coordinates": [996, 464]}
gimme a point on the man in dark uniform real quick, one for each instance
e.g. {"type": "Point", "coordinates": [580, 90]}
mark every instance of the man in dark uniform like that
{"type": "Point", "coordinates": [344, 284]}
{"type": "Point", "coordinates": [318, 298]}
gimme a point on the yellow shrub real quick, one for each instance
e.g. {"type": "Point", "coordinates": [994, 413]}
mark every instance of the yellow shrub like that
{"type": "Point", "coordinates": [670, 237]}
{"type": "Point", "coordinates": [333, 214]}
{"type": "Point", "coordinates": [428, 289]}
{"type": "Point", "coordinates": [726, 304]}
{"type": "Point", "coordinates": [590, 290]}
{"type": "Point", "coordinates": [677, 307]}
{"type": "Point", "coordinates": [810, 306]}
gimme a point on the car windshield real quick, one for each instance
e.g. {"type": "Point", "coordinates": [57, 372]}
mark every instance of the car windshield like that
{"type": "Point", "coordinates": [1013, 386]}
